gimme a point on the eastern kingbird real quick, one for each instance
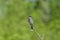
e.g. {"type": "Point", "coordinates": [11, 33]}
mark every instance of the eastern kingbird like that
{"type": "Point", "coordinates": [30, 20]}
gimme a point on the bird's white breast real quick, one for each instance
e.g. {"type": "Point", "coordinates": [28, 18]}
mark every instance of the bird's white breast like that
{"type": "Point", "coordinates": [31, 20]}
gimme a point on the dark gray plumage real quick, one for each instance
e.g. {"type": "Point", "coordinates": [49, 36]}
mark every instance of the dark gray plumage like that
{"type": "Point", "coordinates": [30, 20]}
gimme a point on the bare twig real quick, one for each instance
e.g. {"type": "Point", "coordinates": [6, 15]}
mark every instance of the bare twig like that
{"type": "Point", "coordinates": [39, 35]}
{"type": "Point", "coordinates": [42, 38]}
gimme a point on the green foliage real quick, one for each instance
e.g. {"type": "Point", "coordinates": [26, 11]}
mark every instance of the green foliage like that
{"type": "Point", "coordinates": [14, 19]}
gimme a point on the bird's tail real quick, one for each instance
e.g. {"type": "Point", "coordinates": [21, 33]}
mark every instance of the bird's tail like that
{"type": "Point", "coordinates": [32, 28]}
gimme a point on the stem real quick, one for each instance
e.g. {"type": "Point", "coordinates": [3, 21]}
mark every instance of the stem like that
{"type": "Point", "coordinates": [40, 38]}
{"type": "Point", "coordinates": [37, 33]}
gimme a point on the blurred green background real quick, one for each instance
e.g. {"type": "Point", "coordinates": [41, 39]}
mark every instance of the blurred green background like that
{"type": "Point", "coordinates": [14, 19]}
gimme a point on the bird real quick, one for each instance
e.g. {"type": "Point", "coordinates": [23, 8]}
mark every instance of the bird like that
{"type": "Point", "coordinates": [30, 20]}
